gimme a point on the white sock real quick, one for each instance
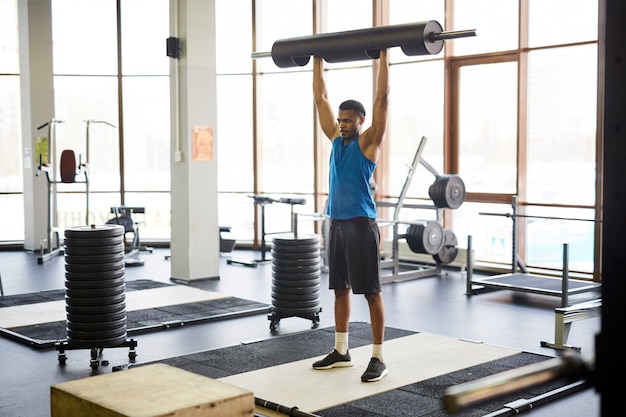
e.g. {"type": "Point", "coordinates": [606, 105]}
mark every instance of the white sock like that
{"type": "Point", "coordinates": [377, 352]}
{"type": "Point", "coordinates": [341, 342]}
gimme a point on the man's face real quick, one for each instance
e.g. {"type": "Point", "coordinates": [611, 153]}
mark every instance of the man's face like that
{"type": "Point", "coordinates": [349, 123]}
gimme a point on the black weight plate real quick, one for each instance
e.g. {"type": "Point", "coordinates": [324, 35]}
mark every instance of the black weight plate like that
{"type": "Point", "coordinates": [280, 248]}
{"type": "Point", "coordinates": [279, 289]}
{"type": "Point", "coordinates": [94, 275]}
{"type": "Point", "coordinates": [109, 266]}
{"type": "Point", "coordinates": [95, 326]}
{"type": "Point", "coordinates": [414, 238]}
{"type": "Point", "coordinates": [96, 309]}
{"type": "Point", "coordinates": [95, 284]}
{"type": "Point", "coordinates": [102, 241]}
{"type": "Point", "coordinates": [95, 301]}
{"type": "Point", "coordinates": [295, 304]}
{"type": "Point", "coordinates": [299, 312]}
{"type": "Point", "coordinates": [98, 342]}
{"type": "Point", "coordinates": [281, 254]}
{"type": "Point", "coordinates": [95, 318]}
{"type": "Point", "coordinates": [289, 239]}
{"type": "Point", "coordinates": [305, 280]}
{"type": "Point", "coordinates": [96, 292]}
{"type": "Point", "coordinates": [448, 191]}
{"type": "Point", "coordinates": [97, 333]}
{"type": "Point", "coordinates": [296, 262]}
{"type": "Point", "coordinates": [94, 250]}
{"type": "Point", "coordinates": [296, 297]}
{"type": "Point", "coordinates": [94, 259]}
{"type": "Point", "coordinates": [304, 269]}
{"type": "Point", "coordinates": [94, 231]}
{"type": "Point", "coordinates": [450, 249]}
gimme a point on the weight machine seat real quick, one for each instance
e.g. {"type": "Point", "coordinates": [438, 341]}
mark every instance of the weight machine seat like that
{"type": "Point", "coordinates": [68, 166]}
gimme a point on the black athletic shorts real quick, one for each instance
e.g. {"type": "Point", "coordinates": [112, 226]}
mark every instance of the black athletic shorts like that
{"type": "Point", "coordinates": [354, 255]}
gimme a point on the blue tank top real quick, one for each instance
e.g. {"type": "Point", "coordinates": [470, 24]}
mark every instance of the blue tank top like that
{"type": "Point", "coordinates": [349, 192]}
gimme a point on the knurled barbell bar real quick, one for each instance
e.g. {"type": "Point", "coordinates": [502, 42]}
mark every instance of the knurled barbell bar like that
{"type": "Point", "coordinates": [420, 38]}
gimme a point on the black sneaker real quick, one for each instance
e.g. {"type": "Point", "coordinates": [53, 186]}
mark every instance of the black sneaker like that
{"type": "Point", "coordinates": [334, 360]}
{"type": "Point", "coordinates": [376, 370]}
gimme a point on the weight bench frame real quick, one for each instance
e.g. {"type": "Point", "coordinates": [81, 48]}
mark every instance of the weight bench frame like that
{"type": "Point", "coordinates": [565, 316]}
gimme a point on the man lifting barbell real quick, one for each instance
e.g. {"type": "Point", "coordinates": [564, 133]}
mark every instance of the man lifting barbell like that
{"type": "Point", "coordinates": [354, 237]}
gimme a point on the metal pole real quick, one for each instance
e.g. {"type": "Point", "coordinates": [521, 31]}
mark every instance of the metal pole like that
{"type": "Point", "coordinates": [468, 394]}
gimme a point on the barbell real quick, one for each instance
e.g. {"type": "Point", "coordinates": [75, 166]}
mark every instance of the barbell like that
{"type": "Point", "coordinates": [420, 38]}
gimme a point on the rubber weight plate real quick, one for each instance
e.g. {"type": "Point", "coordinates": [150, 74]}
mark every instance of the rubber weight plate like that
{"type": "Point", "coordinates": [94, 259]}
{"type": "Point", "coordinates": [298, 269]}
{"type": "Point", "coordinates": [95, 292]}
{"type": "Point", "coordinates": [289, 239]}
{"type": "Point", "coordinates": [296, 283]}
{"type": "Point", "coordinates": [448, 191]}
{"type": "Point", "coordinates": [95, 318]}
{"type": "Point", "coordinates": [95, 284]}
{"type": "Point", "coordinates": [97, 342]}
{"type": "Point", "coordinates": [425, 238]}
{"type": "Point", "coordinates": [277, 253]}
{"type": "Point", "coordinates": [83, 242]}
{"type": "Point", "coordinates": [296, 262]}
{"type": "Point", "coordinates": [110, 266]}
{"type": "Point", "coordinates": [101, 325]}
{"type": "Point", "coordinates": [298, 312]}
{"type": "Point", "coordinates": [96, 309]}
{"type": "Point", "coordinates": [94, 250]}
{"type": "Point", "coordinates": [94, 275]}
{"type": "Point", "coordinates": [95, 301]}
{"type": "Point", "coordinates": [296, 297]}
{"type": "Point", "coordinates": [279, 289]}
{"type": "Point", "coordinates": [450, 249]}
{"type": "Point", "coordinates": [95, 231]}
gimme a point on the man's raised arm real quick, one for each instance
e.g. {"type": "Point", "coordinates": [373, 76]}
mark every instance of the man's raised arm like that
{"type": "Point", "coordinates": [326, 117]}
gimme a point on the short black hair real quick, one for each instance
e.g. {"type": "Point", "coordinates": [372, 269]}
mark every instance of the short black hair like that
{"type": "Point", "coordinates": [353, 105]}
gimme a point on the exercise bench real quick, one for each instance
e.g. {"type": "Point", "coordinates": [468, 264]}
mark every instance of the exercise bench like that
{"type": "Point", "coordinates": [563, 318]}
{"type": "Point", "coordinates": [124, 217]}
{"type": "Point", "coordinates": [262, 201]}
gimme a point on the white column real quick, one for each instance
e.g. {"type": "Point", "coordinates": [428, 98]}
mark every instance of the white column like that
{"type": "Point", "coordinates": [195, 231]}
{"type": "Point", "coordinates": [37, 108]}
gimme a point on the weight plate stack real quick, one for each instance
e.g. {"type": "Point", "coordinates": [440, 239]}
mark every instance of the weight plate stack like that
{"type": "Point", "coordinates": [425, 238]}
{"type": "Point", "coordinates": [295, 275]}
{"type": "Point", "coordinates": [95, 286]}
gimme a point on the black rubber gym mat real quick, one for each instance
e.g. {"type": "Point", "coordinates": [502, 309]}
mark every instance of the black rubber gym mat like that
{"type": "Point", "coordinates": [423, 398]}
{"type": "Point", "coordinates": [45, 335]}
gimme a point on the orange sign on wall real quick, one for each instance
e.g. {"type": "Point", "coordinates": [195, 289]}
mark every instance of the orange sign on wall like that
{"type": "Point", "coordinates": [202, 145]}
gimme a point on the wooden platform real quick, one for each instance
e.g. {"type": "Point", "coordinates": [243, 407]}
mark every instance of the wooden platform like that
{"type": "Point", "coordinates": [153, 390]}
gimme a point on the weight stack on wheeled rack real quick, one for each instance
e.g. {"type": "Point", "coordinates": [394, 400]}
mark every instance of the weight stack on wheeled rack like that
{"type": "Point", "coordinates": [95, 292]}
{"type": "Point", "coordinates": [295, 278]}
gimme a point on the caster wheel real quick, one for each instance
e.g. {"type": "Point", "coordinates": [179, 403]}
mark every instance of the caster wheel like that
{"type": "Point", "coordinates": [94, 365]}
{"type": "Point", "coordinates": [62, 359]}
{"type": "Point", "coordinates": [132, 355]}
{"type": "Point", "coordinates": [273, 325]}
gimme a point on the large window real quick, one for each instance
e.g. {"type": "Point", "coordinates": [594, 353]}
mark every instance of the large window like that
{"type": "Point", "coordinates": [11, 182]}
{"type": "Point", "coordinates": [87, 99]}
{"type": "Point", "coordinates": [512, 116]}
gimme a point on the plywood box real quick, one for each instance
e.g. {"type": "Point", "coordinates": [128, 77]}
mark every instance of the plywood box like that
{"type": "Point", "coordinates": [152, 390]}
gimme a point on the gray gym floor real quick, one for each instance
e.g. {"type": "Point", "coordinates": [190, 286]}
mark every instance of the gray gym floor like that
{"type": "Point", "coordinates": [433, 304]}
